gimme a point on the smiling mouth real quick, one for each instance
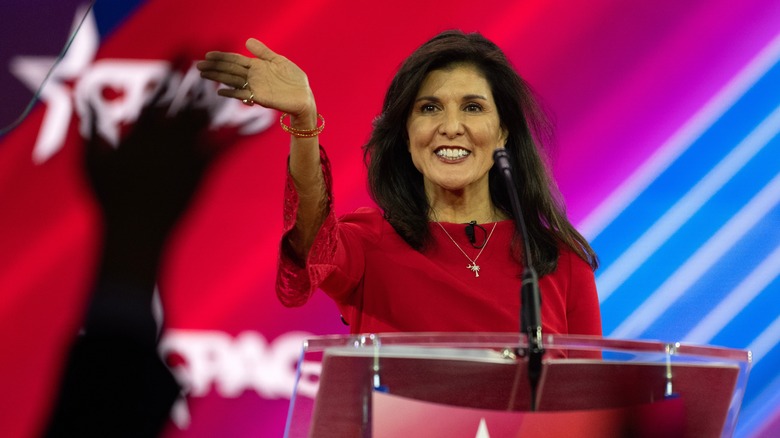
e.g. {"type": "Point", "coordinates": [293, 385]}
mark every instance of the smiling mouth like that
{"type": "Point", "coordinates": [452, 153]}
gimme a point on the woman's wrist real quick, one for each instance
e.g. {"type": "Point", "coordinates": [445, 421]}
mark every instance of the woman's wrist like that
{"type": "Point", "coordinates": [304, 124]}
{"type": "Point", "coordinates": [305, 120]}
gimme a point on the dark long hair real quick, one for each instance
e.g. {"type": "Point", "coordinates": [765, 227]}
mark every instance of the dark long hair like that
{"type": "Point", "coordinates": [397, 186]}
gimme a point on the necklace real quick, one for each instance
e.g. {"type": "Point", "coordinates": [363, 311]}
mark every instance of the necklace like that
{"type": "Point", "coordinates": [473, 266]}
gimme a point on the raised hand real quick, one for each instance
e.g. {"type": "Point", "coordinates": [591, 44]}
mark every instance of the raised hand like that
{"type": "Point", "coordinates": [273, 81]}
{"type": "Point", "coordinates": [269, 79]}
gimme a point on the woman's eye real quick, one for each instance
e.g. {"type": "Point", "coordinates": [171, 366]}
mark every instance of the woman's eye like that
{"type": "Point", "coordinates": [473, 107]}
{"type": "Point", "coordinates": [427, 107]}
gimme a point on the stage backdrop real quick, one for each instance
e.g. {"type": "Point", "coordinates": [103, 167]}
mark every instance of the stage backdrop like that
{"type": "Point", "coordinates": [668, 156]}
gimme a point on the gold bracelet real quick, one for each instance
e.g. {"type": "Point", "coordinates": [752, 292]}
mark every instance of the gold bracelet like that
{"type": "Point", "coordinates": [302, 133]}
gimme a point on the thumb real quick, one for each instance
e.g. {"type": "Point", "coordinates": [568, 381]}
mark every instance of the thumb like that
{"type": "Point", "coordinates": [259, 49]}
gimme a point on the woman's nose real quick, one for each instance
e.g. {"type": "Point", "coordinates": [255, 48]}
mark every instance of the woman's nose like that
{"type": "Point", "coordinates": [451, 124]}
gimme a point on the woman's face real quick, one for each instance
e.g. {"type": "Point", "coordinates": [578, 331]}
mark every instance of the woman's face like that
{"type": "Point", "coordinates": [453, 130]}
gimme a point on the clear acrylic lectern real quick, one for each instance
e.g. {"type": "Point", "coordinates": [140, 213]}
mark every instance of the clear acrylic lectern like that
{"type": "Point", "coordinates": [476, 385]}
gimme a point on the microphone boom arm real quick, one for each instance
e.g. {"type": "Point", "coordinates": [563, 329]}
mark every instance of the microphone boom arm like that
{"type": "Point", "coordinates": [530, 298]}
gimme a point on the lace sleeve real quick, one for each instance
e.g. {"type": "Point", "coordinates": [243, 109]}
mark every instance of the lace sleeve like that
{"type": "Point", "coordinates": [296, 280]}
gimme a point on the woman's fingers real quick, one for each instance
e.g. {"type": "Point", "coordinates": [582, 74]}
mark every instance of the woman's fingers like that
{"type": "Point", "coordinates": [236, 93]}
{"type": "Point", "coordinates": [266, 78]}
{"type": "Point", "coordinates": [222, 67]}
{"type": "Point", "coordinates": [229, 79]}
{"type": "Point", "coordinates": [229, 73]}
{"type": "Point", "coordinates": [233, 58]}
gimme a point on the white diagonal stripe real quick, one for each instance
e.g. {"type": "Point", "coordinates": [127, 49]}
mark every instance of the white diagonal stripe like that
{"type": "Point", "coordinates": [655, 236]}
{"type": "Point", "coordinates": [692, 129]}
{"type": "Point", "coordinates": [736, 301]}
{"type": "Point", "coordinates": [766, 341]}
{"type": "Point", "coordinates": [712, 250]}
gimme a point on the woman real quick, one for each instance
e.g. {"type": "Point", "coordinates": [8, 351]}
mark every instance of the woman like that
{"type": "Point", "coordinates": [442, 254]}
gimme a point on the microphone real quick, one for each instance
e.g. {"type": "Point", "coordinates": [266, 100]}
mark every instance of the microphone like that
{"type": "Point", "coordinates": [470, 232]}
{"type": "Point", "coordinates": [501, 161]}
{"type": "Point", "coordinates": [472, 237]}
{"type": "Point", "coordinates": [530, 299]}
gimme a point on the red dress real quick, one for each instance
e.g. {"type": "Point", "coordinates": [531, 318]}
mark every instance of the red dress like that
{"type": "Point", "coordinates": [381, 284]}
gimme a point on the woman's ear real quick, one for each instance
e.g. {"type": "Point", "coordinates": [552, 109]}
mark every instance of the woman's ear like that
{"type": "Point", "coordinates": [503, 137]}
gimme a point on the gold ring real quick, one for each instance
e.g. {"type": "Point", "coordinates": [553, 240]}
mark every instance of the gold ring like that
{"type": "Point", "coordinates": [248, 101]}
{"type": "Point", "coordinates": [243, 87]}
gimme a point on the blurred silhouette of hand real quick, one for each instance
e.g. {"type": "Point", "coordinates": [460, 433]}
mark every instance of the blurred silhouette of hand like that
{"type": "Point", "coordinates": [145, 184]}
{"type": "Point", "coordinates": [114, 382]}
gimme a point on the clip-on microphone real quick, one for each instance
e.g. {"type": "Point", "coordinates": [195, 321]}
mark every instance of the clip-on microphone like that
{"type": "Point", "coordinates": [472, 236]}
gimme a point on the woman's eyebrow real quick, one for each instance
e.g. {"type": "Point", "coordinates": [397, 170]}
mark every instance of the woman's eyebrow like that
{"type": "Point", "coordinates": [421, 98]}
{"type": "Point", "coordinates": [466, 97]}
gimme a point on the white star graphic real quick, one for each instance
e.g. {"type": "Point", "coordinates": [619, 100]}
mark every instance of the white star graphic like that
{"type": "Point", "coordinates": [56, 94]}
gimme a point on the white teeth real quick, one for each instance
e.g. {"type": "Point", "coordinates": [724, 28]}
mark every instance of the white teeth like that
{"type": "Point", "coordinates": [452, 154]}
